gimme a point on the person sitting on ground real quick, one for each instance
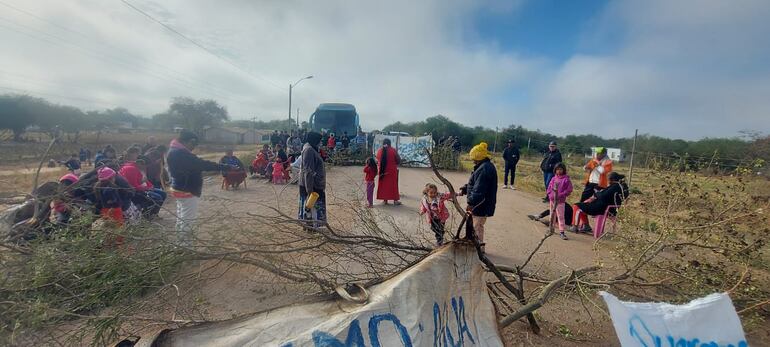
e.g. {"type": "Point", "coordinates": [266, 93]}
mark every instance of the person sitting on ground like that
{"type": "Point", "coordinates": [541, 217]}
{"type": "Point", "coordinates": [258, 165]}
{"type": "Point", "coordinates": [481, 189]}
{"type": "Point", "coordinates": [147, 198]}
{"type": "Point", "coordinates": [61, 204]}
{"type": "Point", "coordinates": [109, 201]}
{"type": "Point", "coordinates": [154, 158]}
{"type": "Point", "coordinates": [233, 172]}
{"type": "Point", "coordinates": [597, 170]}
{"type": "Point", "coordinates": [73, 164]}
{"type": "Point", "coordinates": [559, 189]}
{"type": "Point", "coordinates": [598, 203]}
{"type": "Point", "coordinates": [433, 204]}
{"type": "Point", "coordinates": [108, 157]}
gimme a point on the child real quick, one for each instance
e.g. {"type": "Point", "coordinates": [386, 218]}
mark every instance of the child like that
{"type": "Point", "coordinates": [73, 164]}
{"type": "Point", "coordinates": [278, 174]}
{"type": "Point", "coordinates": [559, 189]}
{"type": "Point", "coordinates": [437, 214]}
{"type": "Point", "coordinates": [60, 205]}
{"type": "Point", "coordinates": [370, 171]}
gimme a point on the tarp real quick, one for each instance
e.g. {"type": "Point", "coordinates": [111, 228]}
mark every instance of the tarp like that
{"type": "Point", "coordinates": [410, 148]}
{"type": "Point", "coordinates": [708, 321]}
{"type": "Point", "coordinates": [440, 301]}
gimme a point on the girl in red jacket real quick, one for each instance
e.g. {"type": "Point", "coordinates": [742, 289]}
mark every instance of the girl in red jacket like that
{"type": "Point", "coordinates": [370, 172]}
{"type": "Point", "coordinates": [432, 205]}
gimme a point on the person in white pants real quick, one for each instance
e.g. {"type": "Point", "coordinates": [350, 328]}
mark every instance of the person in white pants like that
{"type": "Point", "coordinates": [186, 172]}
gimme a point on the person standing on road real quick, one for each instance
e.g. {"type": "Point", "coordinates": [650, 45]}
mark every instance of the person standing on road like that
{"type": "Point", "coordinates": [511, 157]}
{"type": "Point", "coordinates": [388, 160]}
{"type": "Point", "coordinates": [185, 170]}
{"type": "Point", "coordinates": [481, 189]}
{"type": "Point", "coordinates": [551, 158]}
{"type": "Point", "coordinates": [597, 170]}
{"type": "Point", "coordinates": [312, 181]}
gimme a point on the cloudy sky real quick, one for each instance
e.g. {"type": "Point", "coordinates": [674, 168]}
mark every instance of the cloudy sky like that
{"type": "Point", "coordinates": [686, 69]}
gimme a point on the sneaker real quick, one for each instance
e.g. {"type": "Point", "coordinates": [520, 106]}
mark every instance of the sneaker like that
{"type": "Point", "coordinates": [573, 229]}
{"type": "Point", "coordinates": [512, 188]}
{"type": "Point", "coordinates": [585, 229]}
{"type": "Point", "coordinates": [563, 236]}
{"type": "Point", "coordinates": [505, 187]}
{"type": "Point", "coordinates": [533, 217]}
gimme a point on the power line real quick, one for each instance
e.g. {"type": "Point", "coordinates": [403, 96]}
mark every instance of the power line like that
{"type": "Point", "coordinates": [111, 47]}
{"type": "Point", "coordinates": [204, 48]}
{"type": "Point", "coordinates": [97, 54]}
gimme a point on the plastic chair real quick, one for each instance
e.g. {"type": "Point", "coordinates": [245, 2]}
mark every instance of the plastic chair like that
{"type": "Point", "coordinates": [602, 219]}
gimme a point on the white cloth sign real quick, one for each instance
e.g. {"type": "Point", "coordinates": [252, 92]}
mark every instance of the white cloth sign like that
{"type": "Point", "coordinates": [710, 321]}
{"type": "Point", "coordinates": [410, 148]}
{"type": "Point", "coordinates": [440, 301]}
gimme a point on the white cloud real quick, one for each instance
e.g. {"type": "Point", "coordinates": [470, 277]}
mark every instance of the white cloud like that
{"type": "Point", "coordinates": [682, 68]}
{"type": "Point", "coordinates": [676, 68]}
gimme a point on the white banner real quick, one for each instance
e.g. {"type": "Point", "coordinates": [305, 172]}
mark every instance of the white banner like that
{"type": "Point", "coordinates": [440, 301]}
{"type": "Point", "coordinates": [410, 148]}
{"type": "Point", "coordinates": [709, 321]}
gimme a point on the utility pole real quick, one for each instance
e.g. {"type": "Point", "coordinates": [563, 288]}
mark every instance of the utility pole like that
{"type": "Point", "coordinates": [529, 139]}
{"type": "Point", "coordinates": [290, 87]}
{"type": "Point", "coordinates": [631, 164]}
{"type": "Point", "coordinates": [297, 117]}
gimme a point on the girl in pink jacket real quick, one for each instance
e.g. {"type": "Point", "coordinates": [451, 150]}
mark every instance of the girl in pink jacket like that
{"type": "Point", "coordinates": [432, 205]}
{"type": "Point", "coordinates": [559, 189]}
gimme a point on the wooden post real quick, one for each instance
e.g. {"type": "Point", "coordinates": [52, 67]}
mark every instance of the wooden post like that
{"type": "Point", "coordinates": [631, 164]}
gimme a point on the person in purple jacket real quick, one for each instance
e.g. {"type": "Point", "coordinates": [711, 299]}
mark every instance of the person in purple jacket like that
{"type": "Point", "coordinates": [559, 188]}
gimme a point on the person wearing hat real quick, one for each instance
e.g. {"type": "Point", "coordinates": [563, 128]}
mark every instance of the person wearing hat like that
{"type": "Point", "coordinates": [614, 194]}
{"type": "Point", "coordinates": [550, 159]}
{"type": "Point", "coordinates": [597, 170]}
{"type": "Point", "coordinates": [481, 189]}
{"type": "Point", "coordinates": [511, 157]}
{"type": "Point", "coordinates": [312, 181]}
{"type": "Point", "coordinates": [185, 170]}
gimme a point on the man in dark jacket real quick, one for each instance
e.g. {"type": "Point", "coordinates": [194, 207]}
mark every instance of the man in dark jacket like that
{"type": "Point", "coordinates": [511, 157]}
{"type": "Point", "coordinates": [312, 179]}
{"type": "Point", "coordinates": [551, 158]}
{"type": "Point", "coordinates": [481, 189]}
{"type": "Point", "coordinates": [185, 170]}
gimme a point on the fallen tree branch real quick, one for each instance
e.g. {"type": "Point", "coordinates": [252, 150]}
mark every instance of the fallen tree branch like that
{"type": "Point", "coordinates": [546, 294]}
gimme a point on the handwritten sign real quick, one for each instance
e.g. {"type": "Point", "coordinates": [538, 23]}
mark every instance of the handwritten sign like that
{"type": "Point", "coordinates": [706, 322]}
{"type": "Point", "coordinates": [410, 148]}
{"type": "Point", "coordinates": [441, 301]}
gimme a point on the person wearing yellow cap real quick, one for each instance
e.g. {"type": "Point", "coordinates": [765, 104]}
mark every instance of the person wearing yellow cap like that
{"type": "Point", "coordinates": [481, 189]}
{"type": "Point", "coordinates": [597, 170]}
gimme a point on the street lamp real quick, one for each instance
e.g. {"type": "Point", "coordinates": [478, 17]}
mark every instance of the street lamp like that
{"type": "Point", "coordinates": [291, 86]}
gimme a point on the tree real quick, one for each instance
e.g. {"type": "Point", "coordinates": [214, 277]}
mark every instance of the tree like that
{"type": "Point", "coordinates": [15, 114]}
{"type": "Point", "coordinates": [192, 114]}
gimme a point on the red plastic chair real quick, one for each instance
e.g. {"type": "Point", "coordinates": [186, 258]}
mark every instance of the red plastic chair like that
{"type": "Point", "coordinates": [602, 219]}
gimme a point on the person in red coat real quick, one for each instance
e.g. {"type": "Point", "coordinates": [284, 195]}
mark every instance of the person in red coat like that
{"type": "Point", "coordinates": [388, 160]}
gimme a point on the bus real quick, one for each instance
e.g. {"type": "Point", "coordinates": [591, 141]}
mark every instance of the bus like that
{"type": "Point", "coordinates": [335, 118]}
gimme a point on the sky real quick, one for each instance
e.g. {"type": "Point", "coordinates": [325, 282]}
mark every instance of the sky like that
{"type": "Point", "coordinates": [685, 69]}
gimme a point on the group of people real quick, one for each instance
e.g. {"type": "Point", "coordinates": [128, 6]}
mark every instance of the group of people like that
{"type": "Point", "coordinates": [117, 188]}
{"type": "Point", "coordinates": [603, 190]}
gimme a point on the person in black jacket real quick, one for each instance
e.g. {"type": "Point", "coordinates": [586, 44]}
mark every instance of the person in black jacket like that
{"type": "Point", "coordinates": [613, 195]}
{"type": "Point", "coordinates": [551, 158]}
{"type": "Point", "coordinates": [511, 157]}
{"type": "Point", "coordinates": [481, 189]}
{"type": "Point", "coordinates": [185, 170]}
